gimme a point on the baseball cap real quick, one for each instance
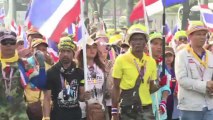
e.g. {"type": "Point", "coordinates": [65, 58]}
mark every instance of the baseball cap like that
{"type": "Point", "coordinates": [7, 34]}
{"type": "Point", "coordinates": [155, 35]}
{"type": "Point", "coordinates": [181, 33]}
{"type": "Point", "coordinates": [169, 50]}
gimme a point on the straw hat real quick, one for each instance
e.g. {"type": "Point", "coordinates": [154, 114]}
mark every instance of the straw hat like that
{"type": "Point", "coordinates": [196, 26]}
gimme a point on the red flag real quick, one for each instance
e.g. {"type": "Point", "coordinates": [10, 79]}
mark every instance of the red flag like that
{"type": "Point", "coordinates": [152, 7]}
{"type": "Point", "coordinates": [137, 12]}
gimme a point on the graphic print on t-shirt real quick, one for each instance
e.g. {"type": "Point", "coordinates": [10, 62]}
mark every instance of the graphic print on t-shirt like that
{"type": "Point", "coordinates": [68, 97]}
{"type": "Point", "coordinates": [95, 81]}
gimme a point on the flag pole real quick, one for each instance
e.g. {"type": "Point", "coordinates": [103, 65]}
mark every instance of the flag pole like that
{"type": "Point", "coordinates": [150, 52]}
{"type": "Point", "coordinates": [84, 48]}
{"type": "Point", "coordinates": [147, 25]}
{"type": "Point", "coordinates": [164, 38]}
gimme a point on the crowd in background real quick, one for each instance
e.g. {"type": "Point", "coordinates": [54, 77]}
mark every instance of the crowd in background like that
{"type": "Point", "coordinates": [125, 75]}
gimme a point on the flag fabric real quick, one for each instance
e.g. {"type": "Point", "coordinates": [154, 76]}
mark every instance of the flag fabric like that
{"type": "Point", "coordinates": [207, 15]}
{"type": "Point", "coordinates": [168, 3]}
{"type": "Point", "coordinates": [15, 28]}
{"type": "Point", "coordinates": [138, 10]}
{"type": "Point", "coordinates": [81, 32]}
{"type": "Point", "coordinates": [152, 7]}
{"type": "Point", "coordinates": [2, 13]}
{"type": "Point", "coordinates": [52, 50]}
{"type": "Point", "coordinates": [168, 34]}
{"type": "Point", "coordinates": [27, 22]}
{"type": "Point", "coordinates": [52, 17]}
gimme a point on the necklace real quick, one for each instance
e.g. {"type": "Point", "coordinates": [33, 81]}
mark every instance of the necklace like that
{"type": "Point", "coordinates": [8, 83]}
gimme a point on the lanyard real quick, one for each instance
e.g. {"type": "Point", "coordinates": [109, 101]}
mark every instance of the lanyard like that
{"type": "Point", "coordinates": [6, 80]}
{"type": "Point", "coordinates": [203, 63]}
{"type": "Point", "coordinates": [140, 71]}
{"type": "Point", "coordinates": [64, 82]}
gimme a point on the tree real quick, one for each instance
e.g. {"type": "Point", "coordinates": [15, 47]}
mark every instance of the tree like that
{"type": "Point", "coordinates": [186, 13]}
{"type": "Point", "coordinates": [98, 5]}
{"type": "Point", "coordinates": [129, 10]}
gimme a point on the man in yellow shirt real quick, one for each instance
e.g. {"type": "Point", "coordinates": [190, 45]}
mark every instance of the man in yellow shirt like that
{"type": "Point", "coordinates": [134, 73]}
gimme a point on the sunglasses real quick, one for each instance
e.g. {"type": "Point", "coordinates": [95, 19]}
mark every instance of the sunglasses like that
{"type": "Point", "coordinates": [183, 38]}
{"type": "Point", "coordinates": [20, 43]}
{"type": "Point", "coordinates": [8, 42]}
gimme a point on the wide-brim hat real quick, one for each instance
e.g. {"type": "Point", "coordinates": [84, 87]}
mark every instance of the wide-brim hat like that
{"type": "Point", "coordinates": [137, 28]}
{"type": "Point", "coordinates": [196, 26]}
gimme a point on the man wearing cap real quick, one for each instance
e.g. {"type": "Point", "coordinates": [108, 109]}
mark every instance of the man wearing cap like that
{"type": "Point", "coordinates": [13, 79]}
{"type": "Point", "coordinates": [194, 72]}
{"type": "Point", "coordinates": [64, 85]}
{"type": "Point", "coordinates": [159, 98]}
{"type": "Point", "coordinates": [134, 73]}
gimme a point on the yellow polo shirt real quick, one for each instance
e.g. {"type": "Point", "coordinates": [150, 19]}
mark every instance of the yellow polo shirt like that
{"type": "Point", "coordinates": [125, 69]}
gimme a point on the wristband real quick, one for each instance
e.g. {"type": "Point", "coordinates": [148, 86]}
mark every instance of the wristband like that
{"type": "Point", "coordinates": [114, 110]}
{"type": "Point", "coordinates": [46, 118]}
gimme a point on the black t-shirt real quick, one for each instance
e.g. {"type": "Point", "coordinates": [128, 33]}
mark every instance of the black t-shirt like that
{"type": "Point", "coordinates": [64, 85]}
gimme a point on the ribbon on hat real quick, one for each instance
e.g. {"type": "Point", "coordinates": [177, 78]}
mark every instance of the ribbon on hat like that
{"type": "Point", "coordinates": [204, 63]}
{"type": "Point", "coordinates": [8, 60]}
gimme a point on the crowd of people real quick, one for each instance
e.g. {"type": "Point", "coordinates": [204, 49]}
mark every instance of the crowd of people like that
{"type": "Point", "coordinates": [126, 79]}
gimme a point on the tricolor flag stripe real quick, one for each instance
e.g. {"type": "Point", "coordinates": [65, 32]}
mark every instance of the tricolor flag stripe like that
{"type": "Point", "coordinates": [207, 15]}
{"type": "Point", "coordinates": [59, 16]}
{"type": "Point", "coordinates": [23, 79]}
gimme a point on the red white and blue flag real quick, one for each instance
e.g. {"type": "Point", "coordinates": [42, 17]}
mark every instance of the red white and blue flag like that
{"type": "Point", "coordinates": [2, 13]}
{"type": "Point", "coordinates": [52, 17]}
{"type": "Point", "coordinates": [151, 7]}
{"type": "Point", "coordinates": [170, 34]}
{"type": "Point", "coordinates": [15, 28]}
{"type": "Point", "coordinates": [207, 15]}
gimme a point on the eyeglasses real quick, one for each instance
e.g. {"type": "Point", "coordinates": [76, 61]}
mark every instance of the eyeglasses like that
{"type": "Point", "coordinates": [183, 38]}
{"type": "Point", "coordinates": [8, 42]}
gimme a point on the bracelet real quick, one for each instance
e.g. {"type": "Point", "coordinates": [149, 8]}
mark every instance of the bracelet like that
{"type": "Point", "coordinates": [114, 110]}
{"type": "Point", "coordinates": [46, 118]}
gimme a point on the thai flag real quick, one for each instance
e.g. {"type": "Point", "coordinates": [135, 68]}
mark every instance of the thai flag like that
{"type": "Point", "coordinates": [27, 22]}
{"type": "Point", "coordinates": [2, 13]}
{"type": "Point", "coordinates": [152, 7]}
{"type": "Point", "coordinates": [81, 32]}
{"type": "Point", "coordinates": [71, 29]}
{"type": "Point", "coordinates": [15, 28]}
{"type": "Point", "coordinates": [52, 17]}
{"type": "Point", "coordinates": [168, 34]}
{"type": "Point", "coordinates": [207, 15]}
{"type": "Point", "coordinates": [52, 50]}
